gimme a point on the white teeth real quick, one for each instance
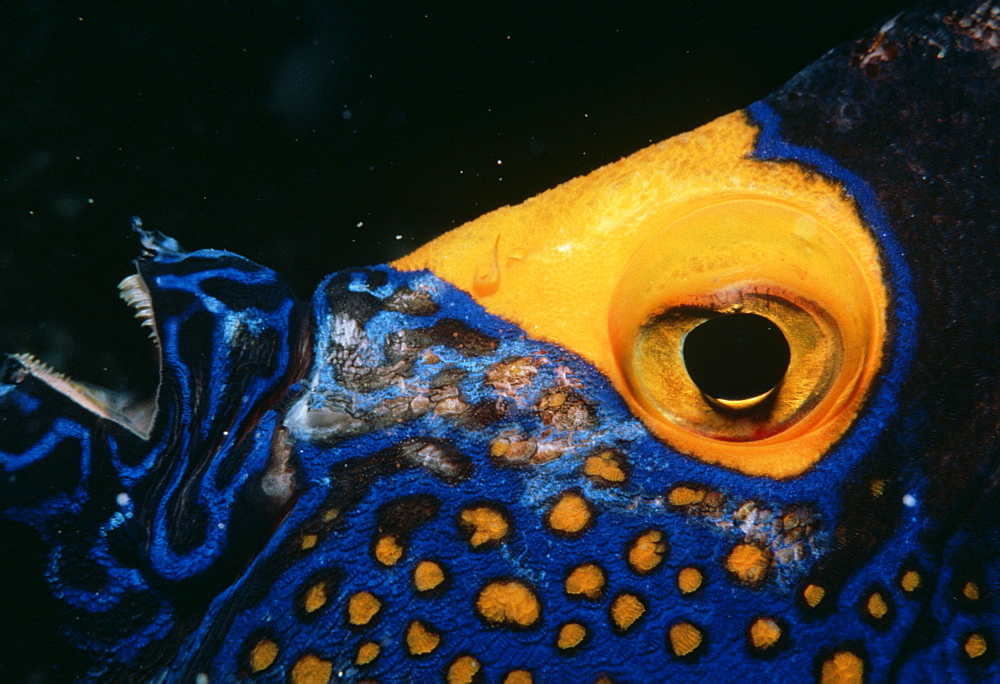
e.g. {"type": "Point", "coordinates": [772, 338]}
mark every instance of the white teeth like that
{"type": "Point", "coordinates": [133, 291]}
{"type": "Point", "coordinates": [136, 416]}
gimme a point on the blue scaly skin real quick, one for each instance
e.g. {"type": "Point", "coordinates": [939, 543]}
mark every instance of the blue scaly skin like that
{"type": "Point", "coordinates": [394, 484]}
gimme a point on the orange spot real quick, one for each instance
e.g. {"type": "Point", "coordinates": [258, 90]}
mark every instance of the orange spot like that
{"type": "Point", "coordinates": [647, 552]}
{"type": "Point", "coordinates": [463, 670]}
{"type": "Point", "coordinates": [764, 633]}
{"type": "Point", "coordinates": [626, 609]}
{"type": "Point", "coordinates": [748, 563]}
{"type": "Point", "coordinates": [570, 514]}
{"type": "Point", "coordinates": [421, 640]}
{"type": "Point", "coordinates": [682, 495]}
{"type": "Point", "coordinates": [310, 669]}
{"type": "Point", "coordinates": [427, 575]}
{"type": "Point", "coordinates": [604, 468]}
{"type": "Point", "coordinates": [388, 550]}
{"type": "Point", "coordinates": [484, 525]}
{"type": "Point", "coordinates": [689, 580]}
{"type": "Point", "coordinates": [308, 541]}
{"type": "Point", "coordinates": [910, 581]}
{"type": "Point", "coordinates": [975, 645]}
{"type": "Point", "coordinates": [362, 607]}
{"type": "Point", "coordinates": [571, 635]}
{"type": "Point", "coordinates": [315, 598]}
{"type": "Point", "coordinates": [876, 606]}
{"type": "Point", "coordinates": [877, 487]}
{"type": "Point", "coordinates": [813, 594]}
{"type": "Point", "coordinates": [586, 580]}
{"type": "Point", "coordinates": [263, 655]}
{"type": "Point", "coordinates": [367, 653]}
{"type": "Point", "coordinates": [508, 602]}
{"type": "Point", "coordinates": [518, 677]}
{"type": "Point", "coordinates": [971, 591]}
{"type": "Point", "coordinates": [844, 667]}
{"type": "Point", "coordinates": [685, 638]}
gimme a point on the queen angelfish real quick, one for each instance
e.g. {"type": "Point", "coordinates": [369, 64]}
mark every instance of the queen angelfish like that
{"type": "Point", "coordinates": [724, 410]}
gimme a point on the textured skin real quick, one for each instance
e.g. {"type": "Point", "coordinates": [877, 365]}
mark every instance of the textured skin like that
{"type": "Point", "coordinates": [301, 457]}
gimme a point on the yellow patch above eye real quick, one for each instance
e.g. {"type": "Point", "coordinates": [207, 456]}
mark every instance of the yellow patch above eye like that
{"type": "Point", "coordinates": [619, 266]}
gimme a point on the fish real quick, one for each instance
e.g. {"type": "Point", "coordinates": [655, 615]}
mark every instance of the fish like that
{"type": "Point", "coordinates": [724, 409]}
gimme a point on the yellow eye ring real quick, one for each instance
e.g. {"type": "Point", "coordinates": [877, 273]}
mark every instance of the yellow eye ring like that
{"type": "Point", "coordinates": [819, 285]}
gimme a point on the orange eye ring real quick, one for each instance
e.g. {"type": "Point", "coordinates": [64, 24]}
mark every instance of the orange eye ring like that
{"type": "Point", "coordinates": [751, 255]}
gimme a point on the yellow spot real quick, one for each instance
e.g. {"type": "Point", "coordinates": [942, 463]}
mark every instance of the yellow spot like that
{"type": "Point", "coordinates": [463, 670]}
{"type": "Point", "coordinates": [877, 487]}
{"type": "Point", "coordinates": [308, 541]}
{"type": "Point", "coordinates": [263, 655]}
{"type": "Point", "coordinates": [388, 550]}
{"type": "Point", "coordinates": [748, 563]}
{"type": "Point", "coordinates": [975, 645]}
{"type": "Point", "coordinates": [508, 602]}
{"type": "Point", "coordinates": [910, 581]}
{"type": "Point", "coordinates": [570, 514]}
{"type": "Point", "coordinates": [843, 668]}
{"type": "Point", "coordinates": [420, 640]}
{"type": "Point", "coordinates": [971, 591]}
{"type": "Point", "coordinates": [604, 467]}
{"type": "Point", "coordinates": [362, 607]}
{"type": "Point", "coordinates": [685, 638]}
{"type": "Point", "coordinates": [647, 551]}
{"type": "Point", "coordinates": [626, 609]}
{"type": "Point", "coordinates": [586, 580]}
{"type": "Point", "coordinates": [764, 633]}
{"type": "Point", "coordinates": [367, 653]}
{"type": "Point", "coordinates": [813, 594]}
{"type": "Point", "coordinates": [876, 605]}
{"type": "Point", "coordinates": [485, 525]}
{"type": "Point", "coordinates": [427, 575]}
{"type": "Point", "coordinates": [315, 598]}
{"type": "Point", "coordinates": [571, 635]}
{"type": "Point", "coordinates": [310, 669]}
{"type": "Point", "coordinates": [330, 514]}
{"type": "Point", "coordinates": [518, 677]}
{"type": "Point", "coordinates": [689, 580]}
{"type": "Point", "coordinates": [682, 495]}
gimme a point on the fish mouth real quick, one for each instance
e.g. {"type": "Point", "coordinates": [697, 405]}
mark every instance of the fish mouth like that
{"type": "Point", "coordinates": [135, 413]}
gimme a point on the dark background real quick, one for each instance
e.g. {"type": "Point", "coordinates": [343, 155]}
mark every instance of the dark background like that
{"type": "Point", "coordinates": [309, 134]}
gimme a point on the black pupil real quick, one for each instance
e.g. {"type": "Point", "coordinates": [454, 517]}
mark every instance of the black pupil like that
{"type": "Point", "coordinates": [736, 356]}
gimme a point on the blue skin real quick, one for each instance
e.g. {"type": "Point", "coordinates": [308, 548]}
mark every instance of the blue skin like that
{"type": "Point", "coordinates": [177, 555]}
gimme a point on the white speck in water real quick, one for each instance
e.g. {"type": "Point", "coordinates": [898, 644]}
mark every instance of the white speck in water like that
{"type": "Point", "coordinates": [123, 499]}
{"type": "Point", "coordinates": [359, 224]}
{"type": "Point", "coordinates": [499, 162]}
{"type": "Point", "coordinates": [221, 526]}
{"type": "Point", "coordinates": [201, 678]}
{"type": "Point", "coordinates": [909, 500]}
{"type": "Point", "coordinates": [346, 114]}
{"type": "Point", "coordinates": [399, 237]}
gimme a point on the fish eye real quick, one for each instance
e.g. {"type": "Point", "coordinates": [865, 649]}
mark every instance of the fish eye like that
{"type": "Point", "coordinates": [748, 332]}
{"type": "Point", "coordinates": [736, 359]}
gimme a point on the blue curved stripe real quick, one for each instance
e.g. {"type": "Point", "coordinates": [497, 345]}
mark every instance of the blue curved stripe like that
{"type": "Point", "coordinates": [904, 310]}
